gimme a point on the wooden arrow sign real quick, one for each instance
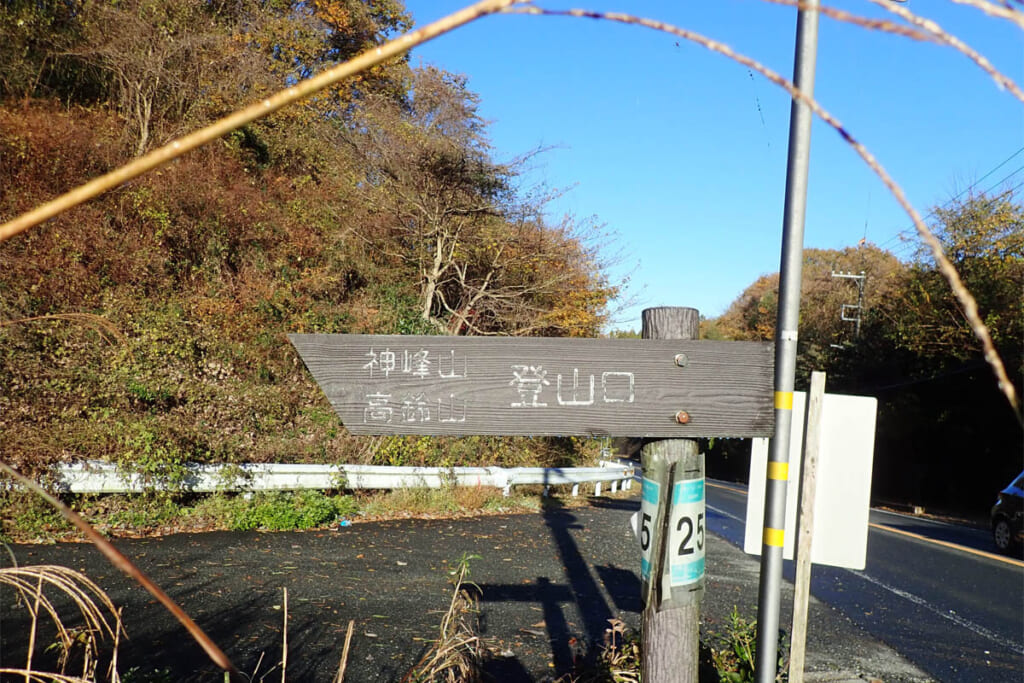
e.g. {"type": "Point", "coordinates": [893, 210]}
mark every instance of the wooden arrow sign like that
{"type": "Point", "coordinates": [543, 387]}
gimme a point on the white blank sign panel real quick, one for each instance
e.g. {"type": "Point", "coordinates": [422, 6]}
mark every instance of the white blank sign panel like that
{"type": "Point", "coordinates": [843, 487]}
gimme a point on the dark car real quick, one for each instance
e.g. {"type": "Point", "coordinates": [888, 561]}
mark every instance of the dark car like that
{"type": "Point", "coordinates": [1008, 516]}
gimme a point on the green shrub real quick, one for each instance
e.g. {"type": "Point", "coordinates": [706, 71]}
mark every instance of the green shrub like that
{"type": "Point", "coordinates": [30, 515]}
{"type": "Point", "coordinates": [280, 511]}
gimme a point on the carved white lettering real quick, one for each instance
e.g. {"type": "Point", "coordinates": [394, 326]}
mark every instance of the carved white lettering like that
{"type": "Point", "coordinates": [529, 381]}
{"type": "Point", "coordinates": [377, 408]}
{"type": "Point", "coordinates": [575, 399]}
{"type": "Point", "coordinates": [617, 387]}
{"type": "Point", "coordinates": [452, 372]}
{"type": "Point", "coordinates": [453, 411]}
{"type": "Point", "coordinates": [415, 409]}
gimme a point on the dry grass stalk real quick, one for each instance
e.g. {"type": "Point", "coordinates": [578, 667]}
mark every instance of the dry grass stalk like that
{"type": "Point", "coordinates": [343, 664]}
{"type": "Point", "coordinates": [993, 10]}
{"type": "Point", "coordinates": [457, 655]}
{"type": "Point", "coordinates": [967, 302]}
{"type": "Point", "coordinates": [930, 31]}
{"type": "Point", "coordinates": [100, 619]}
{"type": "Point", "coordinates": [121, 562]}
{"type": "Point", "coordinates": [862, 21]}
{"type": "Point", "coordinates": [284, 639]}
{"type": "Point", "coordinates": [30, 675]}
{"type": "Point", "coordinates": [949, 39]}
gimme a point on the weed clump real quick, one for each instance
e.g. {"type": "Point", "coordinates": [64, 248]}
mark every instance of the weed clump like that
{"type": "Point", "coordinates": [74, 652]}
{"type": "Point", "coordinates": [283, 511]}
{"type": "Point", "coordinates": [458, 653]}
{"type": "Point", "coordinates": [734, 651]}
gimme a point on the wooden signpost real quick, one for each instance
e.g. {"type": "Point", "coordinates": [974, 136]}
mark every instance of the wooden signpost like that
{"type": "Point", "coordinates": [541, 386]}
{"type": "Point", "coordinates": [666, 388]}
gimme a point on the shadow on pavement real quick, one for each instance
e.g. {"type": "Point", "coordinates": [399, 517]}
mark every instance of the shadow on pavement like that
{"type": "Point", "coordinates": [581, 589]}
{"type": "Point", "coordinates": [585, 592]}
{"type": "Point", "coordinates": [623, 586]}
{"type": "Point", "coordinates": [616, 503]}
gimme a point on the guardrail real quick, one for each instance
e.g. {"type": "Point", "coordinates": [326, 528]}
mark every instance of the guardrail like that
{"type": "Point", "coordinates": [102, 477]}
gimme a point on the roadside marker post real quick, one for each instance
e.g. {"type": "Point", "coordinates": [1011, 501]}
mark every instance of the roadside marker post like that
{"type": "Point", "coordinates": [831, 450]}
{"type": "Point", "coordinates": [805, 529]}
{"type": "Point", "coordinates": [672, 533]}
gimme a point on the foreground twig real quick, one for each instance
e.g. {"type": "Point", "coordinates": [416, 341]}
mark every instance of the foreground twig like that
{"type": "Point", "coordinates": [118, 559]}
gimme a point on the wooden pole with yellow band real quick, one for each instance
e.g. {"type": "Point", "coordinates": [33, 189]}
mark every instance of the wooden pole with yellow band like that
{"type": "Point", "coordinates": [790, 274]}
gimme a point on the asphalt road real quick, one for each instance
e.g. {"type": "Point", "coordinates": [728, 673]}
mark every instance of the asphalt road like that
{"type": "Point", "coordinates": [550, 581]}
{"type": "Point", "coordinates": [932, 591]}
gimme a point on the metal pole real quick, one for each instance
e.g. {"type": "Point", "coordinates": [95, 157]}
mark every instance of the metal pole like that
{"type": "Point", "coordinates": [860, 303]}
{"type": "Point", "coordinates": [769, 594]}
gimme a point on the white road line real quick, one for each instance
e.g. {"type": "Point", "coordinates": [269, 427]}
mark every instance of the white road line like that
{"type": "Point", "coordinates": [945, 614]}
{"type": "Point", "coordinates": [724, 513]}
{"type": "Point", "coordinates": [996, 638]}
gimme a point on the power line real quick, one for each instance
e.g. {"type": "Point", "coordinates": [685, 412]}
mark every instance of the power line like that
{"type": "Point", "coordinates": [907, 245]}
{"type": "Point", "coordinates": [1019, 169]}
{"type": "Point", "coordinates": [904, 234]}
{"type": "Point", "coordinates": [1003, 163]}
{"type": "Point", "coordinates": [942, 375]}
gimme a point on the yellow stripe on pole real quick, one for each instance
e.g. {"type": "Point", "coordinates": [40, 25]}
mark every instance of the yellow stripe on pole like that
{"type": "Point", "coordinates": [784, 400]}
{"type": "Point", "coordinates": [774, 537]}
{"type": "Point", "coordinates": [778, 471]}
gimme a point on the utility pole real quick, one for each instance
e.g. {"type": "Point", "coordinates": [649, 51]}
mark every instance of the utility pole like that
{"type": "Point", "coordinates": [856, 318]}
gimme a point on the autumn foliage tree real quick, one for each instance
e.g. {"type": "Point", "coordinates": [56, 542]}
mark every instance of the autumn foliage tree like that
{"type": "Point", "coordinates": [148, 326]}
{"type": "Point", "coordinates": [940, 403]}
{"type": "Point", "coordinates": [484, 257]}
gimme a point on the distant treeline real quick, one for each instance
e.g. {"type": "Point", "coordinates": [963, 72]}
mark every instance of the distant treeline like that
{"type": "Point", "coordinates": [946, 437]}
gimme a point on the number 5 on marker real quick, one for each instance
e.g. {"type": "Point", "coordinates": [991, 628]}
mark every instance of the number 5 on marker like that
{"type": "Point", "coordinates": [645, 531]}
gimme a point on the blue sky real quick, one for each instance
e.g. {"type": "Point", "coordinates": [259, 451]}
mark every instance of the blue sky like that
{"type": "Point", "coordinates": [681, 153]}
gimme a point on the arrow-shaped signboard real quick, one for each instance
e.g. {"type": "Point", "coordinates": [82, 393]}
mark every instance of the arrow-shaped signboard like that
{"type": "Point", "coordinates": [543, 386]}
